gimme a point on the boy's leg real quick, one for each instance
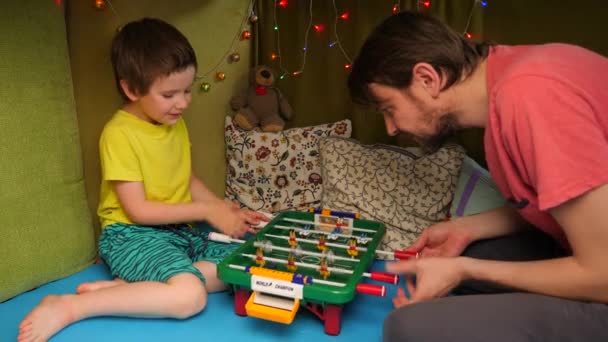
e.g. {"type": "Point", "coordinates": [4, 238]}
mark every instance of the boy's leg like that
{"type": "Point", "coordinates": [162, 282]}
{"type": "Point", "coordinates": [97, 285]}
{"type": "Point", "coordinates": [209, 271]}
{"type": "Point", "coordinates": [139, 253]}
{"type": "Point", "coordinates": [182, 296]}
{"type": "Point", "coordinates": [209, 254]}
{"type": "Point", "coordinates": [498, 317]}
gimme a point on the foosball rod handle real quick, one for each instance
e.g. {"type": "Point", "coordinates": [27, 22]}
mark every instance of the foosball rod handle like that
{"type": "Point", "coordinates": [402, 255]}
{"type": "Point", "coordinates": [383, 277]}
{"type": "Point", "coordinates": [405, 255]}
{"type": "Point", "coordinates": [219, 237]}
{"type": "Point", "coordinates": [371, 289]}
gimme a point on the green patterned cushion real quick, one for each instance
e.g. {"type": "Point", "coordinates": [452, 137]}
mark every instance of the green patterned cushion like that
{"type": "Point", "coordinates": [46, 231]}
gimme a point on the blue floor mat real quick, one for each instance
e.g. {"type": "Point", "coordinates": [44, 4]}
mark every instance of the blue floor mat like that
{"type": "Point", "coordinates": [361, 319]}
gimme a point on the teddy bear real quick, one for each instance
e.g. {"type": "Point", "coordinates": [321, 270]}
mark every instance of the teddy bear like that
{"type": "Point", "coordinates": [262, 104]}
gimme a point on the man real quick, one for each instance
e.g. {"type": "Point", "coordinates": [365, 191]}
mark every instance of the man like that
{"type": "Point", "coordinates": [537, 266]}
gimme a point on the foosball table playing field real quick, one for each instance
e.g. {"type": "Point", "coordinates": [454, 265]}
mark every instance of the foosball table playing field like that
{"type": "Point", "coordinates": [316, 260]}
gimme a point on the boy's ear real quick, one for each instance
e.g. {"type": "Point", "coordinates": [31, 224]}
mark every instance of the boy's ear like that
{"type": "Point", "coordinates": [127, 90]}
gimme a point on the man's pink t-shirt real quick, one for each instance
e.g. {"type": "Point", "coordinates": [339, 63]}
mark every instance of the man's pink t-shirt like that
{"type": "Point", "coordinates": [546, 141]}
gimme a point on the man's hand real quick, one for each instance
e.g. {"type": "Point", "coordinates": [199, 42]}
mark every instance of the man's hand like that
{"type": "Point", "coordinates": [445, 239]}
{"type": "Point", "coordinates": [435, 277]}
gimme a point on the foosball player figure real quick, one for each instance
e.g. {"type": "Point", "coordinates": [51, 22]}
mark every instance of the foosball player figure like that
{"type": "Point", "coordinates": [323, 269]}
{"type": "Point", "coordinates": [259, 257]}
{"type": "Point", "coordinates": [292, 238]}
{"type": "Point", "coordinates": [322, 243]}
{"type": "Point", "coordinates": [291, 263]}
{"type": "Point", "coordinates": [305, 230]}
{"type": "Point", "coordinates": [352, 247]}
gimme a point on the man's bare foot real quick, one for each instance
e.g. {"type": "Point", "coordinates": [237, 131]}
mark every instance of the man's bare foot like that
{"type": "Point", "coordinates": [96, 285]}
{"type": "Point", "coordinates": [51, 315]}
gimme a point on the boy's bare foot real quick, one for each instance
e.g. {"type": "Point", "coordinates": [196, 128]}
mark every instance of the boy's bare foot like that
{"type": "Point", "coordinates": [51, 315]}
{"type": "Point", "coordinates": [96, 285]}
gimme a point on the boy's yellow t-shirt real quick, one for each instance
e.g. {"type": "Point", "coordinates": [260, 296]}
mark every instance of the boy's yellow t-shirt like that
{"type": "Point", "coordinates": [134, 150]}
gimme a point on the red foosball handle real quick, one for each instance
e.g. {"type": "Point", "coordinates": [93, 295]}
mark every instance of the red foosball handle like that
{"type": "Point", "coordinates": [385, 277]}
{"type": "Point", "coordinates": [370, 289]}
{"type": "Point", "coordinates": [405, 254]}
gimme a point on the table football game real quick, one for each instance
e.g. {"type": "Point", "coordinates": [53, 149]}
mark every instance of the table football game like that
{"type": "Point", "coordinates": [316, 260]}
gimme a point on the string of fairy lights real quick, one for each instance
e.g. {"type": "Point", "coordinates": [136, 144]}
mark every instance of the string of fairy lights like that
{"type": "Point", "coordinates": [231, 55]}
{"type": "Point", "coordinates": [426, 4]}
{"type": "Point", "coordinates": [317, 27]}
{"type": "Point", "coordinates": [342, 16]}
{"type": "Point", "coordinates": [243, 34]}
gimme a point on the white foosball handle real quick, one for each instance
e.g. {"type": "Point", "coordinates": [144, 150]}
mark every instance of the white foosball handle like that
{"type": "Point", "coordinates": [219, 237]}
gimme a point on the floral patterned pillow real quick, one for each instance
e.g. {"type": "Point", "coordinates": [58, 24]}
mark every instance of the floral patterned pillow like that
{"type": "Point", "coordinates": [281, 171]}
{"type": "Point", "coordinates": [405, 191]}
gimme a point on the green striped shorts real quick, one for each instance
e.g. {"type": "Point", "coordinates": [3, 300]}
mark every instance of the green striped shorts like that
{"type": "Point", "coordinates": [142, 253]}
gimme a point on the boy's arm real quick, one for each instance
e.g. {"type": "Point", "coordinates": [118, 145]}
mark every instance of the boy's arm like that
{"type": "Point", "coordinates": [141, 211]}
{"type": "Point", "coordinates": [199, 191]}
{"type": "Point", "coordinates": [224, 216]}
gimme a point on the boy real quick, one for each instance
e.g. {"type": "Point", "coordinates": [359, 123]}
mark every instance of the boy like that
{"type": "Point", "coordinates": [544, 109]}
{"type": "Point", "coordinates": [164, 268]}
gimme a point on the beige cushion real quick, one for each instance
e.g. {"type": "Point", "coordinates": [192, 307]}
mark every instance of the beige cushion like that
{"type": "Point", "coordinates": [277, 171]}
{"type": "Point", "coordinates": [390, 184]}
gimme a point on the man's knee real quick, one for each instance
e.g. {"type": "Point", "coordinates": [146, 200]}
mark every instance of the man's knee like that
{"type": "Point", "coordinates": [404, 325]}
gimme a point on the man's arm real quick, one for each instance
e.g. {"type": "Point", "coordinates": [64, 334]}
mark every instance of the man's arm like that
{"type": "Point", "coordinates": [582, 276]}
{"type": "Point", "coordinates": [451, 238]}
{"type": "Point", "coordinates": [493, 223]}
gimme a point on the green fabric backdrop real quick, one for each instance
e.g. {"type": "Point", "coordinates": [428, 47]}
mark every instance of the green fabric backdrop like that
{"type": "Point", "coordinates": [46, 231]}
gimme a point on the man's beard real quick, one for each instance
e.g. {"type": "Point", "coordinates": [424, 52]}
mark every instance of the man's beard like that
{"type": "Point", "coordinates": [446, 128]}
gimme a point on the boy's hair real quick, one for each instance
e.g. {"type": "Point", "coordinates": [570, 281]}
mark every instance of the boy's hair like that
{"type": "Point", "coordinates": [405, 39]}
{"type": "Point", "coordinates": [147, 49]}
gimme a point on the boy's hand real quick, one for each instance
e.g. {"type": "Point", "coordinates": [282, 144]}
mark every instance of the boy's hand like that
{"type": "Point", "coordinates": [253, 218]}
{"type": "Point", "coordinates": [228, 218]}
{"type": "Point", "coordinates": [231, 220]}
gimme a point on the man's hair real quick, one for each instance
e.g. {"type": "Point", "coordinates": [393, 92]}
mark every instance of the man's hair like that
{"type": "Point", "coordinates": [147, 49]}
{"type": "Point", "coordinates": [400, 42]}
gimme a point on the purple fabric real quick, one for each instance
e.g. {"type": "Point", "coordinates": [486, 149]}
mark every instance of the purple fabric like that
{"type": "Point", "coordinates": [468, 190]}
